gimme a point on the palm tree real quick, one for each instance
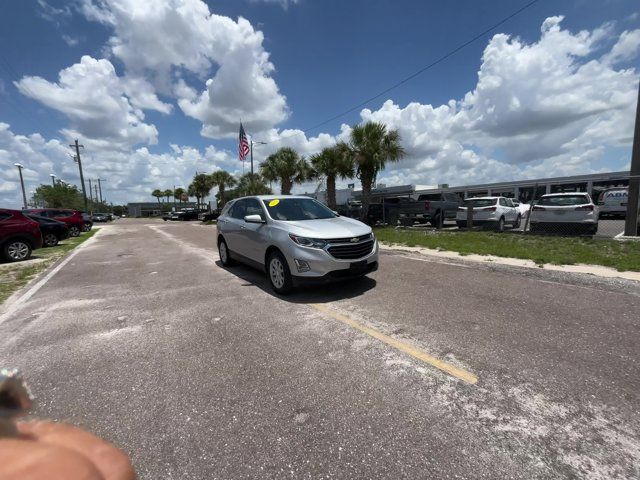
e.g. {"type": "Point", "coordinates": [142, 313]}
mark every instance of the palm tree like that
{"type": "Point", "coordinates": [333, 162]}
{"type": "Point", "coordinates": [200, 187]}
{"type": "Point", "coordinates": [222, 180]}
{"type": "Point", "coordinates": [158, 194]}
{"type": "Point", "coordinates": [253, 184]}
{"type": "Point", "coordinates": [287, 167]}
{"type": "Point", "coordinates": [177, 194]}
{"type": "Point", "coordinates": [371, 146]}
{"type": "Point", "coordinates": [167, 193]}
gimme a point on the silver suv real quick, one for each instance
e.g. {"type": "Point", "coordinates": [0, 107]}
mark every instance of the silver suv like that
{"type": "Point", "coordinates": [295, 239]}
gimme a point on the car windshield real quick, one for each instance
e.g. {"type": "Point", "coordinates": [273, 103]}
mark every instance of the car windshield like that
{"type": "Point", "coordinates": [294, 209]}
{"type": "Point", "coordinates": [480, 202]}
{"type": "Point", "coordinates": [564, 200]}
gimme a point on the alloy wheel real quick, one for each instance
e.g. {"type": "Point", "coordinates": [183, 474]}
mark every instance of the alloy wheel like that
{"type": "Point", "coordinates": [276, 272]}
{"type": "Point", "coordinates": [50, 240]}
{"type": "Point", "coordinates": [18, 250]}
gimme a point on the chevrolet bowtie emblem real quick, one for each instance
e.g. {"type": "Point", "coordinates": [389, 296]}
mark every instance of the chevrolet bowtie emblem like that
{"type": "Point", "coordinates": [354, 239]}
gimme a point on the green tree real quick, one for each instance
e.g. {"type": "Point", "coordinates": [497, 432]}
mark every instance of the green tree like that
{"type": "Point", "coordinates": [158, 194]}
{"type": "Point", "coordinates": [222, 180]}
{"type": "Point", "coordinates": [287, 167]}
{"type": "Point", "coordinates": [62, 195]}
{"type": "Point", "coordinates": [168, 193]}
{"type": "Point", "coordinates": [252, 184]}
{"type": "Point", "coordinates": [200, 187]}
{"type": "Point", "coordinates": [371, 146]}
{"type": "Point", "coordinates": [333, 162]}
{"type": "Point", "coordinates": [177, 194]}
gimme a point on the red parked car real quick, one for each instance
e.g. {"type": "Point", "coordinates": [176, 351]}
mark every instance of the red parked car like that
{"type": "Point", "coordinates": [73, 218]}
{"type": "Point", "coordinates": [19, 235]}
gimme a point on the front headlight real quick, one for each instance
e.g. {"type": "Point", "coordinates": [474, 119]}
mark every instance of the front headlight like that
{"type": "Point", "coordinates": [308, 242]}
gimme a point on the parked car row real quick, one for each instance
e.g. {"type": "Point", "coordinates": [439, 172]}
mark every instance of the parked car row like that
{"type": "Point", "coordinates": [22, 231]}
{"type": "Point", "coordinates": [567, 213]}
{"type": "Point", "coordinates": [185, 214]}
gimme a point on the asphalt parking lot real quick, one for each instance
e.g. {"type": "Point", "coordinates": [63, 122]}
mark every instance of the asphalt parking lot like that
{"type": "Point", "coordinates": [427, 369]}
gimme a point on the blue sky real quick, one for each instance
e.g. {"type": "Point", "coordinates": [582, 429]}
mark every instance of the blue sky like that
{"type": "Point", "coordinates": [149, 125]}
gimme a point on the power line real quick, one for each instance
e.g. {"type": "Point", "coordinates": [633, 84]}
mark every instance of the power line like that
{"type": "Point", "coordinates": [415, 74]}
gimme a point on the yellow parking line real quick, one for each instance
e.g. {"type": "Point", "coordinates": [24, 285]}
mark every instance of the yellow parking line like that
{"type": "Point", "coordinates": [459, 373]}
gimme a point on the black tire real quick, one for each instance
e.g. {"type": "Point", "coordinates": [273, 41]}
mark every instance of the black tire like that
{"type": "Point", "coordinates": [435, 221]}
{"type": "Point", "coordinates": [500, 225]}
{"type": "Point", "coordinates": [74, 231]}
{"type": "Point", "coordinates": [461, 224]}
{"type": "Point", "coordinates": [278, 273]}
{"type": "Point", "coordinates": [518, 221]}
{"type": "Point", "coordinates": [87, 227]}
{"type": "Point", "coordinates": [16, 250]}
{"type": "Point", "coordinates": [225, 256]}
{"type": "Point", "coordinates": [50, 240]}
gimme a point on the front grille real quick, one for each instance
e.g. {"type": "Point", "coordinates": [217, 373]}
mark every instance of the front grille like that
{"type": "Point", "coordinates": [353, 251]}
{"type": "Point", "coordinates": [348, 239]}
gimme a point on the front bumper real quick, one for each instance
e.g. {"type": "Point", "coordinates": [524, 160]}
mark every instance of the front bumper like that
{"type": "Point", "coordinates": [336, 275]}
{"type": "Point", "coordinates": [323, 267]}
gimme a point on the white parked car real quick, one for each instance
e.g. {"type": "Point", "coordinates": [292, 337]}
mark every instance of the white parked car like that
{"type": "Point", "coordinates": [565, 213]}
{"type": "Point", "coordinates": [490, 211]}
{"type": "Point", "coordinates": [613, 202]}
{"type": "Point", "coordinates": [523, 208]}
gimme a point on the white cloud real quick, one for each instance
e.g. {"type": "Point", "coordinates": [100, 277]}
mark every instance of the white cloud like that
{"type": "Point", "coordinates": [69, 40]}
{"type": "Point", "coordinates": [540, 109]}
{"type": "Point", "coordinates": [165, 40]}
{"type": "Point", "coordinates": [283, 3]}
{"type": "Point", "coordinates": [93, 97]}
{"type": "Point", "coordinates": [131, 175]}
{"type": "Point", "coordinates": [626, 48]}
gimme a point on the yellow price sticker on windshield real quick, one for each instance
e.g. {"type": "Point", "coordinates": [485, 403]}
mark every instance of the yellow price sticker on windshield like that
{"type": "Point", "coordinates": [273, 203]}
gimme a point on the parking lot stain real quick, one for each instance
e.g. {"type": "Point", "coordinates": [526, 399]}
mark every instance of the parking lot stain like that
{"type": "Point", "coordinates": [416, 353]}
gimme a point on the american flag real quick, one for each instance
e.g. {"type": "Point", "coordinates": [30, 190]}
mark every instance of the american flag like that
{"type": "Point", "coordinates": [243, 144]}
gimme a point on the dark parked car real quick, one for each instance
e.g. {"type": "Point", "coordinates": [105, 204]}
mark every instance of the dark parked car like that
{"type": "Point", "coordinates": [52, 230]}
{"type": "Point", "coordinates": [187, 214]}
{"type": "Point", "coordinates": [73, 218]}
{"type": "Point", "coordinates": [207, 216]}
{"type": "Point", "coordinates": [100, 217]}
{"type": "Point", "coordinates": [19, 235]}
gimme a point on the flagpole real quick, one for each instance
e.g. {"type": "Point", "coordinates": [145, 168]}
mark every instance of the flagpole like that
{"type": "Point", "coordinates": [252, 157]}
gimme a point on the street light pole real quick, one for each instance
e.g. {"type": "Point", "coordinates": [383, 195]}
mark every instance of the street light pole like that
{"type": "Point", "coordinates": [24, 195]}
{"type": "Point", "coordinates": [100, 188]}
{"type": "Point", "coordinates": [257, 143]}
{"type": "Point", "coordinates": [84, 190]}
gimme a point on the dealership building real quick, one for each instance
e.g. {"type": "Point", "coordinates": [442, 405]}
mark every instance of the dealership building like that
{"type": "Point", "coordinates": [522, 190]}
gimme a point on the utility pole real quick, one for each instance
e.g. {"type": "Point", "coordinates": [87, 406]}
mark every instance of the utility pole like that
{"type": "Point", "coordinates": [84, 190]}
{"type": "Point", "coordinates": [53, 179]}
{"type": "Point", "coordinates": [24, 195]}
{"type": "Point", "coordinates": [96, 187]}
{"type": "Point", "coordinates": [90, 191]}
{"type": "Point", "coordinates": [100, 187]}
{"type": "Point", "coordinates": [631, 221]}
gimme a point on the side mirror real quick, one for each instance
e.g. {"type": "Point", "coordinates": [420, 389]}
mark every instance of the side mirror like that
{"type": "Point", "coordinates": [254, 219]}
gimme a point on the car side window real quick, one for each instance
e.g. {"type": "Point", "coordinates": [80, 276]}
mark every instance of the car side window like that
{"type": "Point", "coordinates": [503, 202]}
{"type": "Point", "coordinates": [510, 203]}
{"type": "Point", "coordinates": [253, 207]}
{"type": "Point", "coordinates": [238, 209]}
{"type": "Point", "coordinates": [226, 209]}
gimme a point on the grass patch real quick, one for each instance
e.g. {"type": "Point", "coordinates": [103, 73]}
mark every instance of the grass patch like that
{"type": "Point", "coordinates": [541, 249]}
{"type": "Point", "coordinates": [14, 276]}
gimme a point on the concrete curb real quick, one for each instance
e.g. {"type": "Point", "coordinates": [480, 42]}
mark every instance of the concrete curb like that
{"type": "Point", "coordinates": [596, 270]}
